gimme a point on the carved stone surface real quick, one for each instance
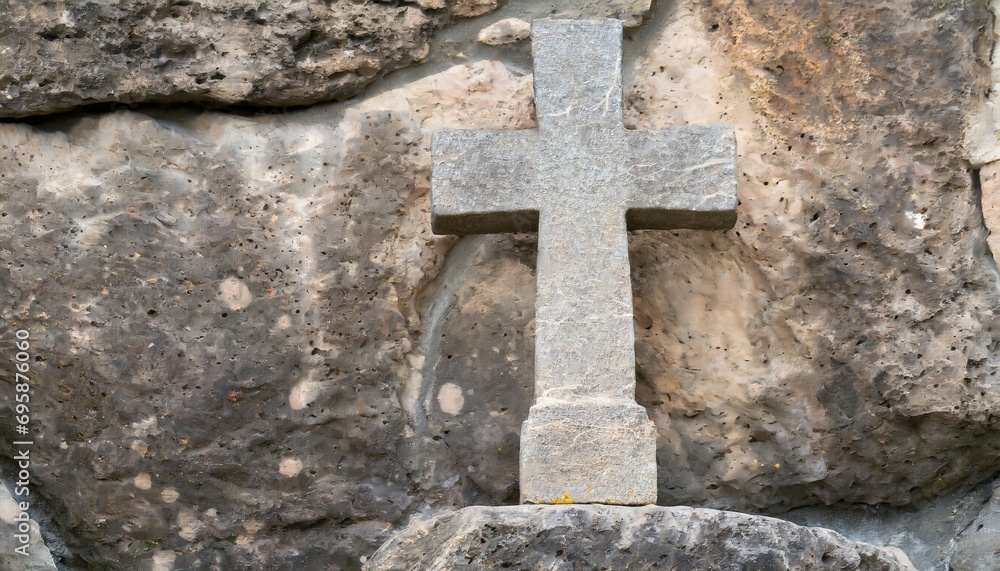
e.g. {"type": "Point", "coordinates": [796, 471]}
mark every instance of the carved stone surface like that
{"type": "Point", "coordinates": [580, 179]}
{"type": "Point", "coordinates": [613, 537]}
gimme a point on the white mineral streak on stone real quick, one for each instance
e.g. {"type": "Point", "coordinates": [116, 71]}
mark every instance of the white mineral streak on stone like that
{"type": "Point", "coordinates": [305, 392]}
{"type": "Point", "coordinates": [140, 447]}
{"type": "Point", "coordinates": [917, 218]}
{"type": "Point", "coordinates": [253, 526]}
{"type": "Point", "coordinates": [504, 32]}
{"type": "Point", "coordinates": [450, 399]}
{"type": "Point", "coordinates": [170, 495]}
{"type": "Point", "coordinates": [290, 467]}
{"type": "Point", "coordinates": [235, 294]}
{"type": "Point", "coordinates": [462, 96]}
{"type": "Point", "coordinates": [8, 507]}
{"type": "Point", "coordinates": [413, 378]}
{"type": "Point", "coordinates": [146, 427]}
{"type": "Point", "coordinates": [164, 561]}
{"type": "Point", "coordinates": [188, 525]}
{"type": "Point", "coordinates": [989, 177]}
{"type": "Point", "coordinates": [142, 481]}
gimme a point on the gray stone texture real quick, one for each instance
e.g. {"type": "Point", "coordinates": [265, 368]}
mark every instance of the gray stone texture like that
{"type": "Point", "coordinates": [580, 179]}
{"type": "Point", "coordinates": [926, 532]}
{"type": "Point", "coordinates": [978, 547]}
{"type": "Point", "coordinates": [224, 314]}
{"type": "Point", "coordinates": [613, 537]}
{"type": "Point", "coordinates": [804, 358]}
{"type": "Point", "coordinates": [62, 54]}
{"type": "Point", "coordinates": [35, 556]}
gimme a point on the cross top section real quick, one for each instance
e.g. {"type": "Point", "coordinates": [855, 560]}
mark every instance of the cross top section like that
{"type": "Point", "coordinates": [578, 83]}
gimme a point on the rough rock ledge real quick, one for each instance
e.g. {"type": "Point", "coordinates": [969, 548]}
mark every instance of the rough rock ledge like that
{"type": "Point", "coordinates": [618, 537]}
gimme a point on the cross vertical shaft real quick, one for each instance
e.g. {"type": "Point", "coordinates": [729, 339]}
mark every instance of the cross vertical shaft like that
{"type": "Point", "coordinates": [582, 180]}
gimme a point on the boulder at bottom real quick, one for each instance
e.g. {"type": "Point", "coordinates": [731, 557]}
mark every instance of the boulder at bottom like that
{"type": "Point", "coordinates": [626, 538]}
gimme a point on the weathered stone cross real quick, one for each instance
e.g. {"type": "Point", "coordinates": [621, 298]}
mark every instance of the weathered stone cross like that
{"type": "Point", "coordinates": [581, 179]}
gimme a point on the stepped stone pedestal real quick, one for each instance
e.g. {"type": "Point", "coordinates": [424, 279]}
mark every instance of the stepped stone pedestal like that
{"type": "Point", "coordinates": [594, 451]}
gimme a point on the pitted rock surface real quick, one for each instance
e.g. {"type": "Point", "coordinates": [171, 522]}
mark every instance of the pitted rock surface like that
{"type": "Point", "coordinates": [616, 537]}
{"type": "Point", "coordinates": [64, 54]}
{"type": "Point", "coordinates": [336, 369]}
{"type": "Point", "coordinates": [240, 323]}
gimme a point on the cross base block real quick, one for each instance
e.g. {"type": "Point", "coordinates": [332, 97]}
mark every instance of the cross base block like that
{"type": "Point", "coordinates": [592, 451]}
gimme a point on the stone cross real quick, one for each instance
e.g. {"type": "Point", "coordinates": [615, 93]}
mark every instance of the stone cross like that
{"type": "Point", "coordinates": [581, 180]}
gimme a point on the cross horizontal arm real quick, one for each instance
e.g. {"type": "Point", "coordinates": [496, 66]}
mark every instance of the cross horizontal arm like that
{"type": "Point", "coordinates": [482, 182]}
{"type": "Point", "coordinates": [683, 177]}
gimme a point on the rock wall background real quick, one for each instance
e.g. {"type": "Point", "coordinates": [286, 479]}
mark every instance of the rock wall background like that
{"type": "Point", "coordinates": [250, 352]}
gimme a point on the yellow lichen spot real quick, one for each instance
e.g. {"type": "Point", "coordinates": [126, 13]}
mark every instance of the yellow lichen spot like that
{"type": "Point", "coordinates": [563, 499]}
{"type": "Point", "coordinates": [777, 465]}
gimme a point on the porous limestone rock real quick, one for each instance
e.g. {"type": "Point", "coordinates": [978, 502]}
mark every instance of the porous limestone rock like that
{"type": "Point", "coordinates": [224, 321]}
{"type": "Point", "coordinates": [251, 351]}
{"type": "Point", "coordinates": [630, 12]}
{"type": "Point", "coordinates": [845, 332]}
{"type": "Point", "coordinates": [840, 344]}
{"type": "Point", "coordinates": [615, 537]}
{"type": "Point", "coordinates": [506, 31]}
{"type": "Point", "coordinates": [63, 54]}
